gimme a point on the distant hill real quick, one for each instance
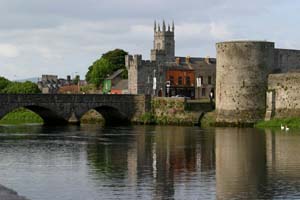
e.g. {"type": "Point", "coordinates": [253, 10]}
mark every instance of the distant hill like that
{"type": "Point", "coordinates": [33, 79]}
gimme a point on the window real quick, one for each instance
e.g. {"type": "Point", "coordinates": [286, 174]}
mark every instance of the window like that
{"type": "Point", "coordinates": [179, 80]}
{"type": "Point", "coordinates": [171, 78]}
{"type": "Point", "coordinates": [203, 92]}
{"type": "Point", "coordinates": [209, 80]}
{"type": "Point", "coordinates": [201, 78]}
{"type": "Point", "coordinates": [188, 81]}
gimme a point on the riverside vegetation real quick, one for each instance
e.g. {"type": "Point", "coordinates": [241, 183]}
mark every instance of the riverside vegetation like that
{"type": "Point", "coordinates": [172, 114]}
{"type": "Point", "coordinates": [168, 111]}
{"type": "Point", "coordinates": [276, 123]}
{"type": "Point", "coordinates": [25, 116]}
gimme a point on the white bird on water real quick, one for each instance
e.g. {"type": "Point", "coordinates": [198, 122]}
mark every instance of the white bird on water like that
{"type": "Point", "coordinates": [282, 127]}
{"type": "Point", "coordinates": [286, 128]}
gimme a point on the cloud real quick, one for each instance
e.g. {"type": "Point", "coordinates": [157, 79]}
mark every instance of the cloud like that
{"type": "Point", "coordinates": [8, 51]}
{"type": "Point", "coordinates": [64, 36]}
{"type": "Point", "coordinates": [220, 31]}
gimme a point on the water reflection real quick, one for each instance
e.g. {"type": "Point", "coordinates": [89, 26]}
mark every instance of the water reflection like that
{"type": "Point", "coordinates": [149, 162]}
{"type": "Point", "coordinates": [156, 160]}
{"type": "Point", "coordinates": [283, 164]}
{"type": "Point", "coordinates": [240, 163]}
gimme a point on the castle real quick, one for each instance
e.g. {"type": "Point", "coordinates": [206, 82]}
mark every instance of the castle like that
{"type": "Point", "coordinates": [169, 75]}
{"type": "Point", "coordinates": [252, 80]}
{"type": "Point", "coordinates": [255, 80]}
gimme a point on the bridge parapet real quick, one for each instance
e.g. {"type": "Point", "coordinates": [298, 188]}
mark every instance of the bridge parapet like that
{"type": "Point", "coordinates": [61, 107]}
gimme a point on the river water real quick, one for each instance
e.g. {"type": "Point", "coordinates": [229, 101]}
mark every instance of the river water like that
{"type": "Point", "coordinates": [149, 162]}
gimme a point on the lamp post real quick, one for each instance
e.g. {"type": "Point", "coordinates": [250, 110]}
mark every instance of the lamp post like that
{"type": "Point", "coordinates": [168, 84]}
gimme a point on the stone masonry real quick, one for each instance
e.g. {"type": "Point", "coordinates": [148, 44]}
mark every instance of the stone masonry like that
{"type": "Point", "coordinates": [141, 73]}
{"type": "Point", "coordinates": [64, 108]}
{"type": "Point", "coordinates": [284, 95]}
{"type": "Point", "coordinates": [244, 94]}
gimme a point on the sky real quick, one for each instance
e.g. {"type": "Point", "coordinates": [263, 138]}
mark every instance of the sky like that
{"type": "Point", "coordinates": [64, 37]}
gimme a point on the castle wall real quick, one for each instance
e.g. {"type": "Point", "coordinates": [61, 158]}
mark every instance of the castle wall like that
{"type": "Point", "coordinates": [241, 82]}
{"type": "Point", "coordinates": [286, 91]}
{"type": "Point", "coordinates": [141, 73]}
{"type": "Point", "coordinates": [286, 60]}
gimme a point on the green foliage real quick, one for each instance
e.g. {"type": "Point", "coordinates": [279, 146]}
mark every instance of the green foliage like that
{"type": "Point", "coordinates": [116, 58]}
{"type": "Point", "coordinates": [21, 88]}
{"type": "Point", "coordinates": [148, 118]}
{"type": "Point", "coordinates": [21, 115]}
{"type": "Point", "coordinates": [101, 69]}
{"type": "Point", "coordinates": [88, 75]}
{"type": "Point", "coordinates": [76, 79]}
{"type": "Point", "coordinates": [276, 123]}
{"type": "Point", "coordinates": [92, 117]}
{"type": "Point", "coordinates": [106, 65]}
{"type": "Point", "coordinates": [3, 83]}
{"type": "Point", "coordinates": [88, 89]}
{"type": "Point", "coordinates": [208, 120]}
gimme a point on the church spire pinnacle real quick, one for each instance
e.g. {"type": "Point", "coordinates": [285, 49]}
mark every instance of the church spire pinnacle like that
{"type": "Point", "coordinates": [173, 26]}
{"type": "Point", "coordinates": [164, 26]}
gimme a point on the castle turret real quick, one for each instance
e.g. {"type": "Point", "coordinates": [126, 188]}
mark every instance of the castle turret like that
{"type": "Point", "coordinates": [241, 82]}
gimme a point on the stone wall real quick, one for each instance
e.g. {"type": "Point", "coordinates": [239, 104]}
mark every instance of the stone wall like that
{"type": "Point", "coordinates": [141, 73]}
{"type": "Point", "coordinates": [286, 60]}
{"type": "Point", "coordinates": [241, 82]}
{"type": "Point", "coordinates": [171, 111]}
{"type": "Point", "coordinates": [63, 108]}
{"type": "Point", "coordinates": [284, 95]}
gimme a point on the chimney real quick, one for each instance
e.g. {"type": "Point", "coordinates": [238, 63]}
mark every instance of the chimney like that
{"type": "Point", "coordinates": [188, 59]}
{"type": "Point", "coordinates": [207, 59]}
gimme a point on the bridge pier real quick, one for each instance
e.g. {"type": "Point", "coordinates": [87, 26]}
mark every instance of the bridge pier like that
{"type": "Point", "coordinates": [73, 119]}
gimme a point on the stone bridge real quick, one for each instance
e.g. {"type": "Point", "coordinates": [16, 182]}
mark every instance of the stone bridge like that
{"type": "Point", "coordinates": [69, 108]}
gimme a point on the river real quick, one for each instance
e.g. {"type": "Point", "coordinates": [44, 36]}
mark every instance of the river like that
{"type": "Point", "coordinates": [149, 162]}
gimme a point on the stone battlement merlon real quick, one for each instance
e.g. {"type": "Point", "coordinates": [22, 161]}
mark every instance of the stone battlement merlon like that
{"type": "Point", "coordinates": [133, 60]}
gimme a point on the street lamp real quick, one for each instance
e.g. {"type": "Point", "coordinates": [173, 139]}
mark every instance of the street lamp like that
{"type": "Point", "coordinates": [168, 84]}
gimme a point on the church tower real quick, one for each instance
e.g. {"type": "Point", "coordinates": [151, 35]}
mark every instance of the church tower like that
{"type": "Point", "coordinates": [164, 43]}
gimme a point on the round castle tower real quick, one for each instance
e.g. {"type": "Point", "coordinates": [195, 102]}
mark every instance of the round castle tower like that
{"type": "Point", "coordinates": [241, 82]}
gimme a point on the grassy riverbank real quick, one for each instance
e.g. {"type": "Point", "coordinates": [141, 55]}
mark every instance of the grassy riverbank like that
{"type": "Point", "coordinates": [92, 117]}
{"type": "Point", "coordinates": [25, 116]}
{"type": "Point", "coordinates": [208, 120]}
{"type": "Point", "coordinates": [274, 123]}
{"type": "Point", "coordinates": [20, 116]}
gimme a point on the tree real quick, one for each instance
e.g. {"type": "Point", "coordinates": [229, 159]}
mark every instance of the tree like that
{"type": "Point", "coordinates": [88, 75]}
{"type": "Point", "coordinates": [3, 83]}
{"type": "Point", "coordinates": [101, 69]}
{"type": "Point", "coordinates": [106, 65]}
{"type": "Point", "coordinates": [116, 58]}
{"type": "Point", "coordinates": [21, 88]}
{"type": "Point", "coordinates": [76, 79]}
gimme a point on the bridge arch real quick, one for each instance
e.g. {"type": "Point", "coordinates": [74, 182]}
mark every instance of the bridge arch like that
{"type": "Point", "coordinates": [49, 116]}
{"type": "Point", "coordinates": [111, 115]}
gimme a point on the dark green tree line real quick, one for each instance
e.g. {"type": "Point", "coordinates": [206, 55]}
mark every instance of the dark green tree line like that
{"type": "Point", "coordinates": [10, 87]}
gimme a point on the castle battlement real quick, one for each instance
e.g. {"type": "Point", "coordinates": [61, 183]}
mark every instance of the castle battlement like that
{"type": "Point", "coordinates": [133, 60]}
